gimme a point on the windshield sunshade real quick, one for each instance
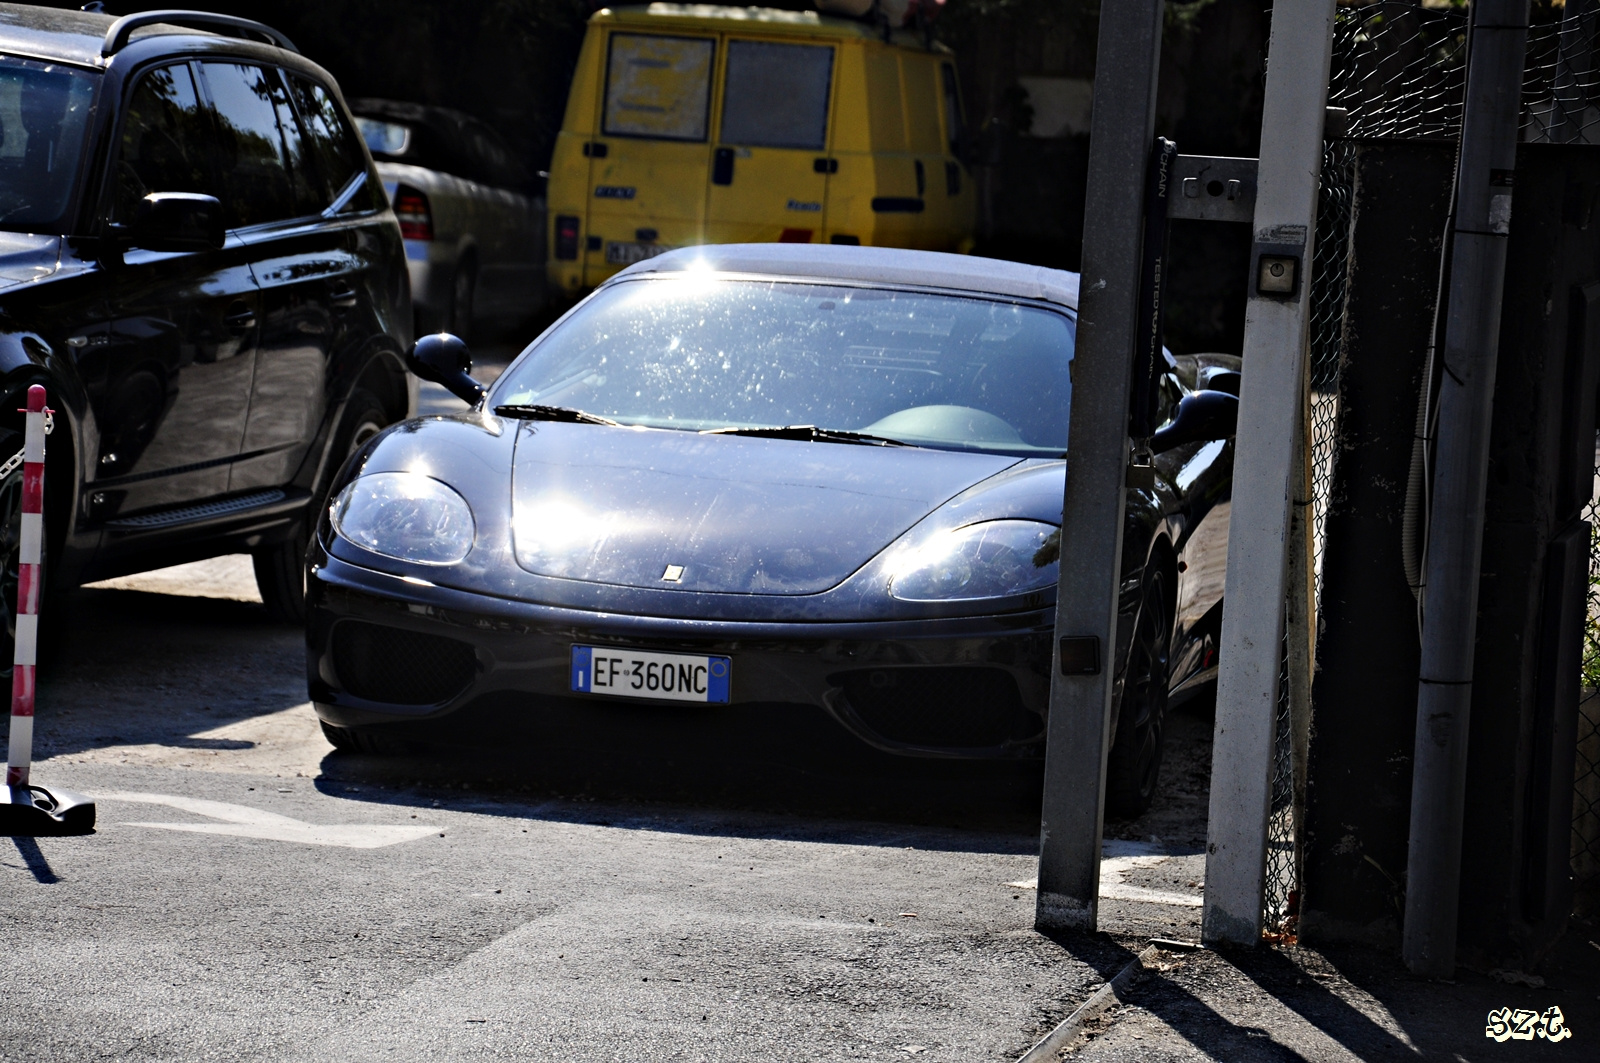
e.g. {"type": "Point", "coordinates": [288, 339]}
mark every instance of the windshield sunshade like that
{"type": "Point", "coordinates": [704, 354]}
{"type": "Point", "coordinates": [44, 111]}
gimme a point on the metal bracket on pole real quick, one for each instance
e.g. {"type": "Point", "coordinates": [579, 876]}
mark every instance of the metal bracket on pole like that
{"type": "Point", "coordinates": [1213, 189]}
{"type": "Point", "coordinates": [1121, 133]}
{"type": "Point", "coordinates": [1275, 336]}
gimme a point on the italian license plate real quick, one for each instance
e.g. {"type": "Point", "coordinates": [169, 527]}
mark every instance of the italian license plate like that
{"type": "Point", "coordinates": [620, 253]}
{"type": "Point", "coordinates": [642, 674]}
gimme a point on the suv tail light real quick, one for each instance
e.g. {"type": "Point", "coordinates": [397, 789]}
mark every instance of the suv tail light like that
{"type": "Point", "coordinates": [416, 219]}
{"type": "Point", "coordinates": [566, 236]}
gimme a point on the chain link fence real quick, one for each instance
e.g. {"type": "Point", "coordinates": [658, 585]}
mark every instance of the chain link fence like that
{"type": "Point", "coordinates": [1399, 73]}
{"type": "Point", "coordinates": [1586, 787]}
{"type": "Point", "coordinates": [1329, 268]}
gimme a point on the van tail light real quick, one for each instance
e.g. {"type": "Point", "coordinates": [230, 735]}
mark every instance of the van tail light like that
{"type": "Point", "coordinates": [416, 218]}
{"type": "Point", "coordinates": [566, 236]}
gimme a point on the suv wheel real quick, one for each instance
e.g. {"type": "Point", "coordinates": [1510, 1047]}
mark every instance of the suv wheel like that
{"type": "Point", "coordinates": [281, 569]}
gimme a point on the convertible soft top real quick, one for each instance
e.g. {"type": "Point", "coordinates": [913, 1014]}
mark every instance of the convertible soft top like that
{"type": "Point", "coordinates": [882, 265]}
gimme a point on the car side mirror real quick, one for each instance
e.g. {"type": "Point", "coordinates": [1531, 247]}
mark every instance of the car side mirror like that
{"type": "Point", "coordinates": [176, 221]}
{"type": "Point", "coordinates": [1219, 378]}
{"type": "Point", "coordinates": [1202, 416]}
{"type": "Point", "coordinates": [443, 359]}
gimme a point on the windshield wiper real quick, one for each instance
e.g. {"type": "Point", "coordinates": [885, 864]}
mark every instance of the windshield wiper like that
{"type": "Point", "coordinates": [810, 433]}
{"type": "Point", "coordinates": [534, 412]}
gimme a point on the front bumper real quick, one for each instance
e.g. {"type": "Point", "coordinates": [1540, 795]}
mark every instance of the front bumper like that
{"type": "Point", "coordinates": [969, 688]}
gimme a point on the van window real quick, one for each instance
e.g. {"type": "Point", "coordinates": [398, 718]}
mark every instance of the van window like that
{"type": "Point", "coordinates": [776, 95]}
{"type": "Point", "coordinates": [658, 87]}
{"type": "Point", "coordinates": [954, 128]}
{"type": "Point", "coordinates": [166, 141]}
{"type": "Point", "coordinates": [262, 156]}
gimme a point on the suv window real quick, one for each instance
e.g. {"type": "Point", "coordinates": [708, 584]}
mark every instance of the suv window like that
{"type": "Point", "coordinates": [776, 95]}
{"type": "Point", "coordinates": [262, 157]}
{"type": "Point", "coordinates": [44, 113]}
{"type": "Point", "coordinates": [166, 141]}
{"type": "Point", "coordinates": [331, 142]}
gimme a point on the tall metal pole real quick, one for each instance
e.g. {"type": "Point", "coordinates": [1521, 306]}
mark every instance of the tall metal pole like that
{"type": "Point", "coordinates": [1270, 404]}
{"type": "Point", "coordinates": [1121, 133]}
{"type": "Point", "coordinates": [1488, 158]}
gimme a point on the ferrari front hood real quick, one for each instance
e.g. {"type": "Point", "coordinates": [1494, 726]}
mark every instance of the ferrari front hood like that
{"type": "Point", "coordinates": [715, 513]}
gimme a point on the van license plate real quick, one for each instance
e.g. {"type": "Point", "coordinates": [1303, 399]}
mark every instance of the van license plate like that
{"type": "Point", "coordinates": [642, 674]}
{"type": "Point", "coordinates": [619, 253]}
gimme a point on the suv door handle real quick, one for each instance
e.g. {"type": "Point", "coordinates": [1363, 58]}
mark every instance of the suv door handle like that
{"type": "Point", "coordinates": [343, 298]}
{"type": "Point", "coordinates": [240, 317]}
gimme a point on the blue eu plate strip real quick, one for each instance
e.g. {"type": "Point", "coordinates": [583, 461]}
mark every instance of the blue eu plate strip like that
{"type": "Point", "coordinates": [582, 672]}
{"type": "Point", "coordinates": [717, 680]}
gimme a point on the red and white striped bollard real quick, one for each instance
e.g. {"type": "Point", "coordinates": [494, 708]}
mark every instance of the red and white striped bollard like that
{"type": "Point", "coordinates": [30, 552]}
{"type": "Point", "coordinates": [27, 809]}
{"type": "Point", "coordinates": [30, 555]}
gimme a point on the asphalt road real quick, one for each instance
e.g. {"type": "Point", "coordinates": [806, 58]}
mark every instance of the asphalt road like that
{"type": "Point", "coordinates": [250, 894]}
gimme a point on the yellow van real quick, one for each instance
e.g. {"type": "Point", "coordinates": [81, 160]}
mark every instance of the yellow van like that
{"type": "Point", "coordinates": [693, 124]}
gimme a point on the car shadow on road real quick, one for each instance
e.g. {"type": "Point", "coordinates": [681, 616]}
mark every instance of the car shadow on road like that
{"type": "Point", "coordinates": [133, 668]}
{"type": "Point", "coordinates": [770, 770]}
{"type": "Point", "coordinates": [791, 789]}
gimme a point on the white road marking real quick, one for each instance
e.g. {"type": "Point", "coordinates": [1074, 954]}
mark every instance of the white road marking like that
{"type": "Point", "coordinates": [241, 821]}
{"type": "Point", "coordinates": [1116, 860]}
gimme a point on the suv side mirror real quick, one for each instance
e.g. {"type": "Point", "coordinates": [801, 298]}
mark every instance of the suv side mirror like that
{"type": "Point", "coordinates": [443, 359]}
{"type": "Point", "coordinates": [176, 221]}
{"type": "Point", "coordinates": [1202, 416]}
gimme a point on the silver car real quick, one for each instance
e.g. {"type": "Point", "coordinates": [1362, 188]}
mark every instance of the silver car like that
{"type": "Point", "coordinates": [469, 211]}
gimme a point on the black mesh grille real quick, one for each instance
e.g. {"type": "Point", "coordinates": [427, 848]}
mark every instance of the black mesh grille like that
{"type": "Point", "coordinates": [943, 707]}
{"type": "Point", "coordinates": [400, 667]}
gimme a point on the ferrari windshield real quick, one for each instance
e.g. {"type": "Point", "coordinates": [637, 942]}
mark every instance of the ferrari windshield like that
{"type": "Point", "coordinates": [706, 354]}
{"type": "Point", "coordinates": [44, 116]}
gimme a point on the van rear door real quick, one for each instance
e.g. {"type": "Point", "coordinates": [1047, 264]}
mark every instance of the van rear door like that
{"type": "Point", "coordinates": [648, 169]}
{"type": "Point", "coordinates": [769, 170]}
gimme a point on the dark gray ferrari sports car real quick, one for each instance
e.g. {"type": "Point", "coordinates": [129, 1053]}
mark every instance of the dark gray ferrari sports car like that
{"type": "Point", "coordinates": [752, 479]}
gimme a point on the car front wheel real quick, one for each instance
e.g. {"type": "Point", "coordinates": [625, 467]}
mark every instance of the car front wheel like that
{"type": "Point", "coordinates": [1134, 765]}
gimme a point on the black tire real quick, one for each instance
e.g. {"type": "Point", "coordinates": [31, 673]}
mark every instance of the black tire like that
{"type": "Point", "coordinates": [1133, 768]}
{"type": "Point", "coordinates": [463, 292]}
{"type": "Point", "coordinates": [281, 569]}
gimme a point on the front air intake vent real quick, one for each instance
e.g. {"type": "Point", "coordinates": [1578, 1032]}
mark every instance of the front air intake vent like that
{"type": "Point", "coordinates": [400, 667]}
{"type": "Point", "coordinates": [951, 708]}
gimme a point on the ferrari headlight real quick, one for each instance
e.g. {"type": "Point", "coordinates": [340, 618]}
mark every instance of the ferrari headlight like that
{"type": "Point", "coordinates": [989, 560]}
{"type": "Point", "coordinates": [407, 516]}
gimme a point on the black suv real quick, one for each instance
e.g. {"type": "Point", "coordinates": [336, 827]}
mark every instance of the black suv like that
{"type": "Point", "coordinates": [198, 261]}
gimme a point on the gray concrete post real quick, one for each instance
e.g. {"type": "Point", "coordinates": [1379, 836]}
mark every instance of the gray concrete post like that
{"type": "Point", "coordinates": [1121, 133]}
{"type": "Point", "coordinates": [1487, 160]}
{"type": "Point", "coordinates": [1276, 318]}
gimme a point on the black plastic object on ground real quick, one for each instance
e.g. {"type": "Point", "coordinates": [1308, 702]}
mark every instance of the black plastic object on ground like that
{"type": "Point", "coordinates": [33, 811]}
